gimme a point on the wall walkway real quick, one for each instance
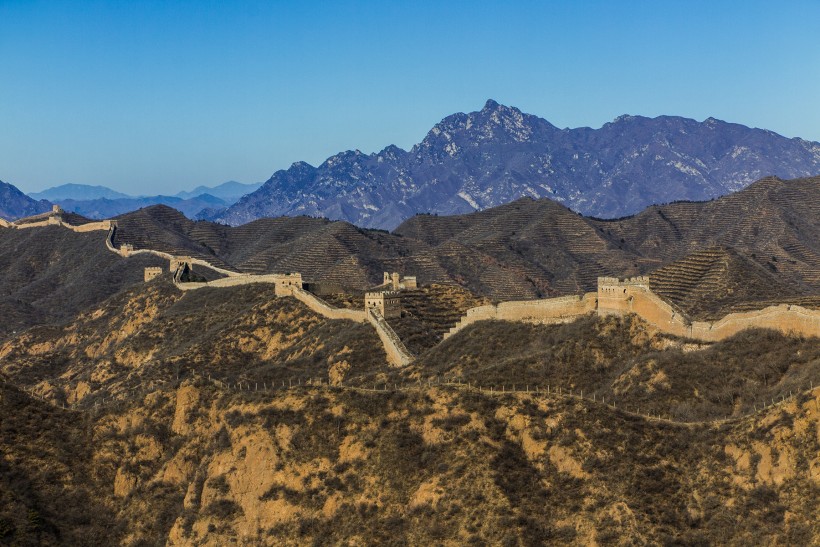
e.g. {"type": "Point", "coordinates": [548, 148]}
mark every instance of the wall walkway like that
{"type": "Point", "coordinates": [547, 311]}
{"type": "Point", "coordinates": [397, 353]}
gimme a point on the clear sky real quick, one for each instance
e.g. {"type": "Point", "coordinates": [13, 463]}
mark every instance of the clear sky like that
{"type": "Point", "coordinates": [158, 96]}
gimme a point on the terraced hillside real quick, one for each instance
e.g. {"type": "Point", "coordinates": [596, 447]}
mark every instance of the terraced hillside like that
{"type": "Point", "coordinates": [772, 222]}
{"type": "Point", "coordinates": [161, 228]}
{"type": "Point", "coordinates": [429, 312]}
{"type": "Point", "coordinates": [711, 282]}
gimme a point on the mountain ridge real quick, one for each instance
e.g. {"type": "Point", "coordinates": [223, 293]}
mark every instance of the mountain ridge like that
{"type": "Point", "coordinates": [482, 159]}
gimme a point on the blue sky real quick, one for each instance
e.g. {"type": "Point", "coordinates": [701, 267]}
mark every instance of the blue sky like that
{"type": "Point", "coordinates": [156, 97]}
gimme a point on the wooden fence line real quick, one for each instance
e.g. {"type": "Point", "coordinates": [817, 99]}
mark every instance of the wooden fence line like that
{"type": "Point", "coordinates": [549, 390]}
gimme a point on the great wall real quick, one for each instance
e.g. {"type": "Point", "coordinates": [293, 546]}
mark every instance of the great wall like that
{"type": "Point", "coordinates": [634, 295]}
{"type": "Point", "coordinates": [613, 297]}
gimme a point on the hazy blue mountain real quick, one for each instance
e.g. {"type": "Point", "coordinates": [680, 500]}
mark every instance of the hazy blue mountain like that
{"type": "Point", "coordinates": [77, 192]}
{"type": "Point", "coordinates": [15, 204]}
{"type": "Point", "coordinates": [229, 191]}
{"type": "Point", "coordinates": [483, 159]}
{"type": "Point", "coordinates": [107, 208]}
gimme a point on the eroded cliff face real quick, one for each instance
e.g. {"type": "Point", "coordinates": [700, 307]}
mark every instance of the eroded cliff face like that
{"type": "Point", "coordinates": [198, 465]}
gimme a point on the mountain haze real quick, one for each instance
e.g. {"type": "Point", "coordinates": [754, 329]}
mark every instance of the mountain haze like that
{"type": "Point", "coordinates": [230, 191]}
{"type": "Point", "coordinates": [15, 204]}
{"type": "Point", "coordinates": [78, 192]}
{"type": "Point", "coordinates": [98, 202]}
{"type": "Point", "coordinates": [473, 161]}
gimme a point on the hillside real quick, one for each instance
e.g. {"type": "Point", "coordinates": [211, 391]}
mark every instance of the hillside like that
{"type": "Point", "coordinates": [484, 159]}
{"type": "Point", "coordinates": [50, 274]}
{"type": "Point", "coordinates": [240, 334]}
{"type": "Point", "coordinates": [190, 463]}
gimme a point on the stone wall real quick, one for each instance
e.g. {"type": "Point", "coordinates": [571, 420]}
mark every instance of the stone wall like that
{"type": "Point", "coordinates": [621, 297]}
{"type": "Point", "coordinates": [397, 353]}
{"type": "Point", "coordinates": [547, 311]}
{"type": "Point", "coordinates": [52, 220]}
{"type": "Point", "coordinates": [636, 298]}
{"type": "Point", "coordinates": [323, 308]}
{"type": "Point", "coordinates": [284, 283]}
{"type": "Point", "coordinates": [785, 318]}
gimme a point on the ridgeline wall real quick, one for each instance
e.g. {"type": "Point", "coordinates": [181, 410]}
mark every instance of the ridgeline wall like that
{"type": "Point", "coordinates": [547, 311]}
{"type": "Point", "coordinates": [614, 296]}
{"type": "Point", "coordinates": [621, 297]}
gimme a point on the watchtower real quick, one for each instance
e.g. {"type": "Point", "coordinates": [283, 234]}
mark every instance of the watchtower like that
{"type": "Point", "coordinates": [285, 283]}
{"type": "Point", "coordinates": [151, 272]}
{"type": "Point", "coordinates": [615, 295]}
{"type": "Point", "coordinates": [178, 262]}
{"type": "Point", "coordinates": [397, 283]}
{"type": "Point", "coordinates": [388, 303]}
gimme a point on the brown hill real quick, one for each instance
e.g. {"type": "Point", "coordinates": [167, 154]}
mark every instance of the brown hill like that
{"type": "Point", "coordinates": [237, 334]}
{"type": "Point", "coordinates": [776, 223]}
{"type": "Point", "coordinates": [525, 249]}
{"type": "Point", "coordinates": [49, 274]}
{"type": "Point", "coordinates": [191, 463]}
{"type": "Point", "coordinates": [629, 364]}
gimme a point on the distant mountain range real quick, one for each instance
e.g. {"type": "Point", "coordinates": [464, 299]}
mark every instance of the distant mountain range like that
{"type": "Point", "coordinates": [229, 191]}
{"type": "Point", "coordinates": [102, 202]}
{"type": "Point", "coordinates": [483, 159]}
{"type": "Point", "coordinates": [78, 192]}
{"type": "Point", "coordinates": [107, 208]}
{"type": "Point", "coordinates": [473, 161]}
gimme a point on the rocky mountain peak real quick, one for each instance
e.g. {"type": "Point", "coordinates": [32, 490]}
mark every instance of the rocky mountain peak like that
{"type": "Point", "coordinates": [471, 161]}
